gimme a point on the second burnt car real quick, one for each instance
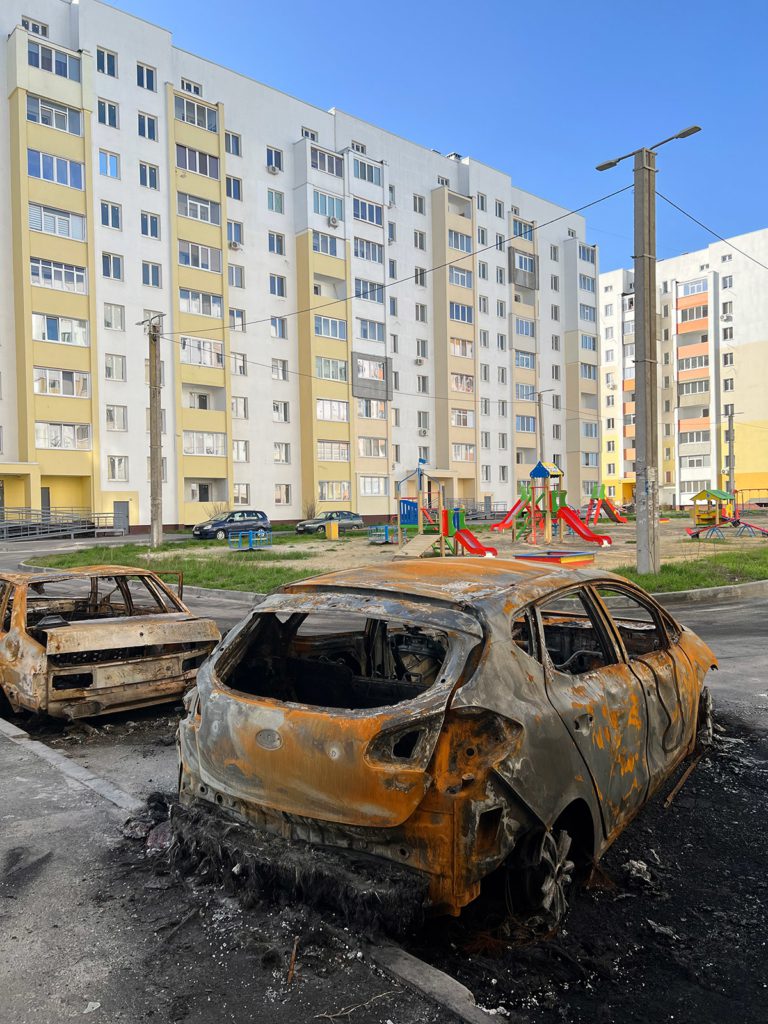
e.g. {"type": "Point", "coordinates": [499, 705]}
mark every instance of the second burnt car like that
{"type": "Point", "coordinates": [462, 722]}
{"type": "Point", "coordinates": [96, 639]}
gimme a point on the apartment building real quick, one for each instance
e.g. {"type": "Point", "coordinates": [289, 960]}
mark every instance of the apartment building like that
{"type": "Point", "coordinates": [713, 353]}
{"type": "Point", "coordinates": [337, 303]}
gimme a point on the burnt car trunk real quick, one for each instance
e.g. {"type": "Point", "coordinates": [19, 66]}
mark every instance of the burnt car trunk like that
{"type": "Point", "coordinates": [335, 716]}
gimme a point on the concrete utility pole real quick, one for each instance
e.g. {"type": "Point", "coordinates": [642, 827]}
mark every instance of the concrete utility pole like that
{"type": "Point", "coordinates": [646, 352]}
{"type": "Point", "coordinates": [155, 435]}
{"type": "Point", "coordinates": [731, 456]}
{"type": "Point", "coordinates": [540, 421]}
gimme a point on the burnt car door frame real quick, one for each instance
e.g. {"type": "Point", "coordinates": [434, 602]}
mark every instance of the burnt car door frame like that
{"type": "Point", "coordinates": [658, 672]}
{"type": "Point", "coordinates": [604, 712]}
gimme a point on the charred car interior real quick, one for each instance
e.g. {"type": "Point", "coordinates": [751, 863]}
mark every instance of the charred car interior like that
{"type": "Point", "coordinates": [357, 663]}
{"type": "Point", "coordinates": [95, 640]}
{"type": "Point", "coordinates": [463, 723]}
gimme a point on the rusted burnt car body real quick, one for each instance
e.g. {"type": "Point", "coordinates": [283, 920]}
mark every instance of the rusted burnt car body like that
{"type": "Point", "coordinates": [455, 717]}
{"type": "Point", "coordinates": [96, 639]}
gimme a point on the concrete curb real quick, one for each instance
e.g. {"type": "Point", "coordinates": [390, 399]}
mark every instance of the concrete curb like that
{"type": "Point", "coordinates": [70, 769]}
{"type": "Point", "coordinates": [714, 595]}
{"type": "Point", "coordinates": [730, 594]}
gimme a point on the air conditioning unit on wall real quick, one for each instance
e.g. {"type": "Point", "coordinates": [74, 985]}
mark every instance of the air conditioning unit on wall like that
{"type": "Point", "coordinates": [333, 222]}
{"type": "Point", "coordinates": [423, 432]}
{"type": "Point", "coordinates": [272, 169]}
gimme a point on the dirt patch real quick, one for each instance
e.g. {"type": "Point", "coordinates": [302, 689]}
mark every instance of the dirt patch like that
{"type": "Point", "coordinates": [675, 932]}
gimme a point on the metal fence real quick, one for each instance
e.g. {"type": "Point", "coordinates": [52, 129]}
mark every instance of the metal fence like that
{"type": "Point", "coordinates": [33, 524]}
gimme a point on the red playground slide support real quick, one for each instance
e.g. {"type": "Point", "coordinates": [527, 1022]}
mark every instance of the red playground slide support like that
{"type": "Point", "coordinates": [510, 517]}
{"type": "Point", "coordinates": [570, 518]}
{"type": "Point", "coordinates": [473, 545]}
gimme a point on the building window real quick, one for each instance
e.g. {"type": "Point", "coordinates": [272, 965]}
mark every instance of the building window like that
{"type": "Point", "coordinates": [55, 168]}
{"type": "Point", "coordinates": [62, 383]}
{"type": "Point", "coordinates": [198, 114]}
{"type": "Point", "coordinates": [235, 276]}
{"type": "Point", "coordinates": [150, 274]}
{"type": "Point", "coordinates": [277, 285]}
{"type": "Point", "coordinates": [275, 201]}
{"type": "Point", "coordinates": [362, 210]}
{"type": "Point", "coordinates": [366, 171]}
{"type": "Point", "coordinates": [117, 468]}
{"type": "Point", "coordinates": [331, 410]}
{"type": "Point", "coordinates": [114, 367]}
{"type": "Point", "coordinates": [117, 417]}
{"type": "Point", "coordinates": [150, 224]}
{"type": "Point", "coordinates": [37, 28]}
{"type": "Point", "coordinates": [586, 253]}
{"type": "Point", "coordinates": [525, 360]}
{"type": "Point", "coordinates": [149, 176]}
{"type": "Point", "coordinates": [237, 319]}
{"type": "Point", "coordinates": [54, 115]}
{"type": "Point", "coordinates": [202, 257]}
{"type": "Point", "coordinates": [522, 229]}
{"type": "Point", "coordinates": [369, 290]}
{"type": "Point", "coordinates": [328, 205]}
{"type": "Point", "coordinates": [330, 245]}
{"type": "Point", "coordinates": [112, 266]}
{"type": "Point", "coordinates": [278, 326]}
{"type": "Point", "coordinates": [114, 317]}
{"type": "Point", "coordinates": [194, 88]}
{"type": "Point", "coordinates": [112, 215]}
{"type": "Point", "coordinates": [234, 188]}
{"type": "Point", "coordinates": [460, 312]}
{"type": "Point", "coordinates": [146, 77]}
{"type": "Point", "coordinates": [457, 240]}
{"type": "Point", "coordinates": [234, 233]}
{"type": "Point", "coordinates": [421, 313]}
{"type": "Point", "coordinates": [202, 303]}
{"type": "Point", "coordinates": [329, 327]}
{"type": "Point", "coordinates": [47, 58]}
{"type": "Point", "coordinates": [148, 127]}
{"type": "Point", "coordinates": [63, 436]}
{"type": "Point", "coordinates": [372, 330]}
{"type": "Point", "coordinates": [330, 369]}
{"type": "Point", "coordinates": [197, 162]}
{"type": "Point", "coordinates": [241, 494]}
{"type": "Point", "coordinates": [107, 113]}
{"type": "Point", "coordinates": [279, 369]}
{"type": "Point", "coordinates": [106, 62]}
{"type": "Point", "coordinates": [60, 276]}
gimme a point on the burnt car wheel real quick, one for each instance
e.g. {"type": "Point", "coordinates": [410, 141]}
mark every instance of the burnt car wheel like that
{"type": "Point", "coordinates": [538, 877]}
{"type": "Point", "coordinates": [321, 530]}
{"type": "Point", "coordinates": [705, 720]}
{"type": "Point", "coordinates": [221, 535]}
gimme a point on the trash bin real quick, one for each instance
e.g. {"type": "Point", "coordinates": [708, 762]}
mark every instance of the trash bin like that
{"type": "Point", "coordinates": [332, 531]}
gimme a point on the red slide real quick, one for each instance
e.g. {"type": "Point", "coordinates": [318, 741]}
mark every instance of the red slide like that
{"type": "Point", "coordinates": [509, 518]}
{"type": "Point", "coordinates": [571, 519]}
{"type": "Point", "coordinates": [470, 543]}
{"type": "Point", "coordinates": [610, 510]}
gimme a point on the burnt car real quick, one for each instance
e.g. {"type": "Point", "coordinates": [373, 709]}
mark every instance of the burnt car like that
{"type": "Point", "coordinates": [97, 639]}
{"type": "Point", "coordinates": [469, 722]}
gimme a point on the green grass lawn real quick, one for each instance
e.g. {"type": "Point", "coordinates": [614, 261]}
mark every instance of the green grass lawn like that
{"type": "Point", "coordinates": [741, 566]}
{"type": "Point", "coordinates": [257, 571]}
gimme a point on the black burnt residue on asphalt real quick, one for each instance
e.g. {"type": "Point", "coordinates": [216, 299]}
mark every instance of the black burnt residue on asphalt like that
{"type": "Point", "coordinates": [681, 939]}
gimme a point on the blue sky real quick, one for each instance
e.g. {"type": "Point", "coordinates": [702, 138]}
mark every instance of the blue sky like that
{"type": "Point", "coordinates": [541, 90]}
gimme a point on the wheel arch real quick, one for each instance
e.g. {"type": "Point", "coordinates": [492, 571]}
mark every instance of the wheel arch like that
{"type": "Point", "coordinates": [577, 819]}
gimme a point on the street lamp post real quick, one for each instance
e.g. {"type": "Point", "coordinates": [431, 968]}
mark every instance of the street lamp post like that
{"type": "Point", "coordinates": [646, 351]}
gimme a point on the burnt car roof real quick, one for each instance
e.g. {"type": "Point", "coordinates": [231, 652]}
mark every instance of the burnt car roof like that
{"type": "Point", "coordinates": [25, 578]}
{"type": "Point", "coordinates": [458, 581]}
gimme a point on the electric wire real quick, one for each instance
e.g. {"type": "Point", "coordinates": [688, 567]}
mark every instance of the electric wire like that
{"type": "Point", "coordinates": [712, 231]}
{"type": "Point", "coordinates": [410, 277]}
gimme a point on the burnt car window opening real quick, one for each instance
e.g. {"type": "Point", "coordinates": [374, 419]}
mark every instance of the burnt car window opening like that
{"type": "Point", "coordinates": [335, 660]}
{"type": "Point", "coordinates": [572, 637]}
{"type": "Point", "coordinates": [635, 621]}
{"type": "Point", "coordinates": [524, 634]}
{"type": "Point", "coordinates": [53, 603]}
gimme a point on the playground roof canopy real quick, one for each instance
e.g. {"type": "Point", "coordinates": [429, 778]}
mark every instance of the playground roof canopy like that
{"type": "Point", "coordinates": [545, 470]}
{"type": "Point", "coordinates": [712, 494]}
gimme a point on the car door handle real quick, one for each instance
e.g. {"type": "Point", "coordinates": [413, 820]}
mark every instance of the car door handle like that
{"type": "Point", "coordinates": [583, 723]}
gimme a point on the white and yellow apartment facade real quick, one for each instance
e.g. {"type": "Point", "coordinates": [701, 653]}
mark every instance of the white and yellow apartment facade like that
{"type": "Point", "coordinates": [712, 316]}
{"type": "Point", "coordinates": [337, 303]}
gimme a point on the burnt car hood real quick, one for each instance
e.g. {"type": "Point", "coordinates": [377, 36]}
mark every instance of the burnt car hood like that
{"type": "Point", "coordinates": [318, 762]}
{"type": "Point", "coordinates": [134, 631]}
